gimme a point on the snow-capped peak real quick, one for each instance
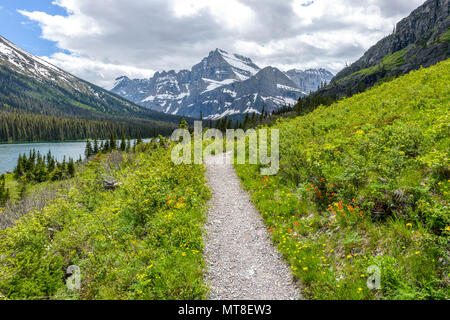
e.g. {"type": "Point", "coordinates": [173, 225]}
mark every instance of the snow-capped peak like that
{"type": "Point", "coordinates": [221, 84]}
{"type": "Point", "coordinates": [30, 65]}
{"type": "Point", "coordinates": [242, 66]}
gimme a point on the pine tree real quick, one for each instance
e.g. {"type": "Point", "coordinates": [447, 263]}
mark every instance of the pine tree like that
{"type": "Point", "coordinates": [123, 143]}
{"type": "Point", "coordinates": [112, 142]}
{"type": "Point", "coordinates": [88, 151]}
{"type": "Point", "coordinates": [106, 147]}
{"type": "Point", "coordinates": [96, 147]}
{"type": "Point", "coordinates": [64, 164]}
{"type": "Point", "coordinates": [230, 124]}
{"type": "Point", "coordinates": [246, 120]}
{"type": "Point", "coordinates": [4, 192]}
{"type": "Point", "coordinates": [18, 171]}
{"type": "Point", "coordinates": [71, 168]}
{"type": "Point", "coordinates": [183, 124]}
{"type": "Point", "coordinates": [22, 189]}
{"type": "Point", "coordinates": [50, 161]}
{"type": "Point", "coordinates": [128, 148]}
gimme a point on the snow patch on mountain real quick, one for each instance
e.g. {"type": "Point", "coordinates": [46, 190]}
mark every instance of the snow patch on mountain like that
{"type": "Point", "coordinates": [30, 65]}
{"type": "Point", "coordinates": [240, 63]}
{"type": "Point", "coordinates": [212, 84]}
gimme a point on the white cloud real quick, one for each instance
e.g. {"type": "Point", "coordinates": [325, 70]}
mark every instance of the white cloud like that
{"type": "Point", "coordinates": [230, 13]}
{"type": "Point", "coordinates": [107, 39]}
{"type": "Point", "coordinates": [98, 72]}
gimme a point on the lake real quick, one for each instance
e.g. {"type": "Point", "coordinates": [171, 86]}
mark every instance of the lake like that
{"type": "Point", "coordinates": [9, 153]}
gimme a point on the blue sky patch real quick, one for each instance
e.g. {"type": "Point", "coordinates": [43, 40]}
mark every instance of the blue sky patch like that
{"type": "Point", "coordinates": [23, 32]}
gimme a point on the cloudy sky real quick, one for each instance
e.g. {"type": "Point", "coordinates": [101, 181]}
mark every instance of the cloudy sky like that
{"type": "Point", "coordinates": [101, 40]}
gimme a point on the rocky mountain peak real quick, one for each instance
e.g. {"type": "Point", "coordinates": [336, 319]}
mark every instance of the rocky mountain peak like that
{"type": "Point", "coordinates": [222, 84]}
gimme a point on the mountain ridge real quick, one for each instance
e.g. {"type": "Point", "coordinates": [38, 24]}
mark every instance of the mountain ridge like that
{"type": "Point", "coordinates": [216, 87]}
{"type": "Point", "coordinates": [419, 40]}
{"type": "Point", "coordinates": [32, 87]}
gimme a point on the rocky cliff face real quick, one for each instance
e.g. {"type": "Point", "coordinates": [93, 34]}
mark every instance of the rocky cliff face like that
{"type": "Point", "coordinates": [310, 80]}
{"type": "Point", "coordinates": [422, 39]}
{"type": "Point", "coordinates": [222, 84]}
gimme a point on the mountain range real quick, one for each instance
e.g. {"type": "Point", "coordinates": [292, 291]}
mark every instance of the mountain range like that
{"type": "Point", "coordinates": [33, 87]}
{"type": "Point", "coordinates": [222, 84]}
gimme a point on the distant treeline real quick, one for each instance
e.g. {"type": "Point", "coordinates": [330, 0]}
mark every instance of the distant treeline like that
{"type": "Point", "coordinates": [21, 127]}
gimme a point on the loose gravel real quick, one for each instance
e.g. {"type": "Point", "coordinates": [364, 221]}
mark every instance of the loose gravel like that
{"type": "Point", "coordinates": [241, 260]}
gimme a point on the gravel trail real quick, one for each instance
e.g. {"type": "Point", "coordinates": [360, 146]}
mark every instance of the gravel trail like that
{"type": "Point", "coordinates": [242, 262]}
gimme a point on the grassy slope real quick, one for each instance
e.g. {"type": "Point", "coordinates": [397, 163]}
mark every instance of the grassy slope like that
{"type": "Point", "coordinates": [141, 241]}
{"type": "Point", "coordinates": [389, 63]}
{"type": "Point", "coordinates": [365, 182]}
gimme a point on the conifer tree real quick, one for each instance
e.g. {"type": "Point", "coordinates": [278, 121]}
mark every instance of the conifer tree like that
{"type": "Point", "coordinates": [183, 124]}
{"type": "Point", "coordinates": [230, 124]}
{"type": "Point", "coordinates": [64, 164]}
{"type": "Point", "coordinates": [88, 151]}
{"type": "Point", "coordinates": [4, 192]}
{"type": "Point", "coordinates": [112, 142]}
{"type": "Point", "coordinates": [123, 143]}
{"type": "Point", "coordinates": [106, 147]}
{"type": "Point", "coordinates": [246, 120]}
{"type": "Point", "coordinates": [71, 168]}
{"type": "Point", "coordinates": [96, 147]}
{"type": "Point", "coordinates": [128, 148]}
{"type": "Point", "coordinates": [18, 171]}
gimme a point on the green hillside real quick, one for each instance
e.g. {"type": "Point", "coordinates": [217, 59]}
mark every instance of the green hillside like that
{"type": "Point", "coordinates": [365, 182]}
{"type": "Point", "coordinates": [39, 102]}
{"type": "Point", "coordinates": [32, 110]}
